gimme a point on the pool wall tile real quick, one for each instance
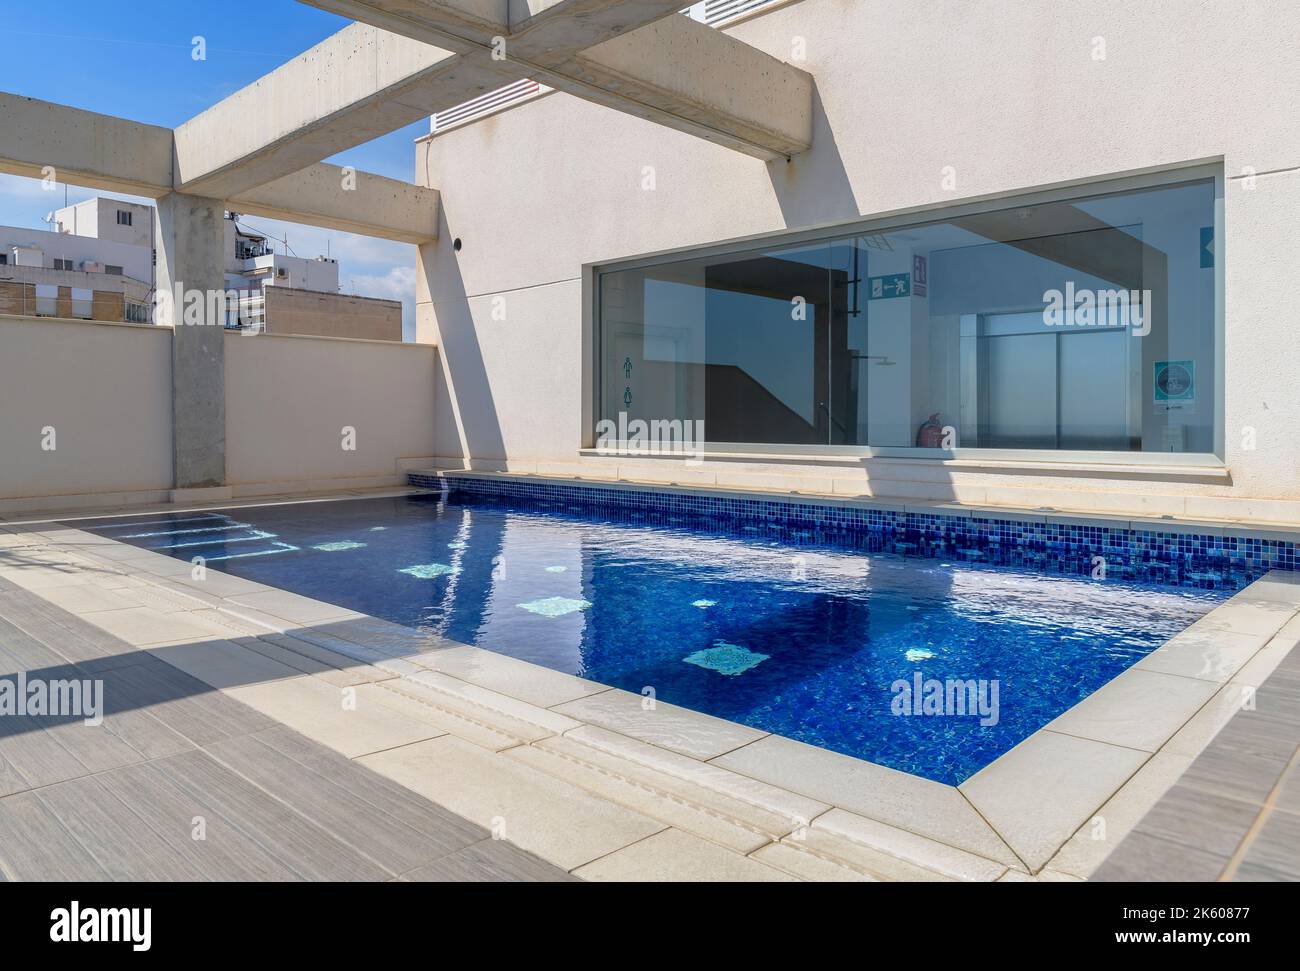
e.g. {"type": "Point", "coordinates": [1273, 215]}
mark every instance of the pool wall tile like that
{"type": "Point", "coordinates": [1205, 556]}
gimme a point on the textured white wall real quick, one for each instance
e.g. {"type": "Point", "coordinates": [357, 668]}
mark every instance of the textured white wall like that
{"type": "Point", "coordinates": [105, 389]}
{"type": "Point", "coordinates": [289, 397]}
{"type": "Point", "coordinates": [1006, 92]}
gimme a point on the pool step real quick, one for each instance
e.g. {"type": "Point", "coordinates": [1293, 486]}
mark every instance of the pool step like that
{"type": "Point", "coordinates": [722, 807]}
{"type": "Point", "coordinates": [607, 778]}
{"type": "Point", "coordinates": [477, 718]}
{"type": "Point", "coordinates": [891, 853]}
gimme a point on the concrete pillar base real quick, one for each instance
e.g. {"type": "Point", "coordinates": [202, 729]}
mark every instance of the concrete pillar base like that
{"type": "Point", "coordinates": [211, 494]}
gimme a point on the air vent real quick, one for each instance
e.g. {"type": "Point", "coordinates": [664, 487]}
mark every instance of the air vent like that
{"type": "Point", "coordinates": [717, 12]}
{"type": "Point", "coordinates": [485, 104]}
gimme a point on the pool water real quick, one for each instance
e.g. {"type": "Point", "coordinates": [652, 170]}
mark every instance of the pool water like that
{"type": "Point", "coordinates": [813, 643]}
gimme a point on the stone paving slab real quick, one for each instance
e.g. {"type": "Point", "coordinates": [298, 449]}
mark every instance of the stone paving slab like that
{"type": "Point", "coordinates": [1234, 813]}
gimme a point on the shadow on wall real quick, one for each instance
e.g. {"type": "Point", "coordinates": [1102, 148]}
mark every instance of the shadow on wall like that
{"type": "Point", "coordinates": [814, 188]}
{"type": "Point", "coordinates": [467, 397]}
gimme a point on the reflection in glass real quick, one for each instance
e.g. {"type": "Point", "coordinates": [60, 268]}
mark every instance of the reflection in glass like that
{"type": "Point", "coordinates": [1083, 325]}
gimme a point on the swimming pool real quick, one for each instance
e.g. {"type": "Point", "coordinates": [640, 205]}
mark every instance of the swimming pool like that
{"type": "Point", "coordinates": [930, 666]}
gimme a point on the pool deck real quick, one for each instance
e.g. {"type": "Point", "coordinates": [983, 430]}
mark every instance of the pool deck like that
{"type": "Point", "coordinates": [1235, 813]}
{"type": "Point", "coordinates": [274, 715]}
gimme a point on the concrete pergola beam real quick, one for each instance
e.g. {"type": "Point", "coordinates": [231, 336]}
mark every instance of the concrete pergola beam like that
{"type": "Point", "coordinates": [407, 59]}
{"type": "Point", "coordinates": [686, 75]}
{"type": "Point", "coordinates": [83, 148]}
{"type": "Point", "coordinates": [635, 56]}
{"type": "Point", "coordinates": [532, 28]}
{"type": "Point", "coordinates": [103, 152]}
{"type": "Point", "coordinates": [360, 83]}
{"type": "Point", "coordinates": [539, 28]}
{"type": "Point", "coordinates": [374, 205]}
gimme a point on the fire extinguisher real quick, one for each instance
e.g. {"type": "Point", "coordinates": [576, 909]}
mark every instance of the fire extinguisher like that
{"type": "Point", "coordinates": [930, 434]}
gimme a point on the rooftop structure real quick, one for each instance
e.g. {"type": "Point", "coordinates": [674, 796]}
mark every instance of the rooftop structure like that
{"type": "Point", "coordinates": [782, 369]}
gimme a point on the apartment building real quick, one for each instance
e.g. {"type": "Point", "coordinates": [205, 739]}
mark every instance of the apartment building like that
{"type": "Point", "coordinates": [91, 264]}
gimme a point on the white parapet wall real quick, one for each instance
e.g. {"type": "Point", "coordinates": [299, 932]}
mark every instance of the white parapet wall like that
{"type": "Point", "coordinates": [86, 414]}
{"type": "Point", "coordinates": [291, 401]}
{"type": "Point", "coordinates": [85, 408]}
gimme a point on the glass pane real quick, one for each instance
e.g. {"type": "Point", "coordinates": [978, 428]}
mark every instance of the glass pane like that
{"type": "Point", "coordinates": [1082, 325]}
{"type": "Point", "coordinates": [1086, 324]}
{"type": "Point", "coordinates": [737, 343]}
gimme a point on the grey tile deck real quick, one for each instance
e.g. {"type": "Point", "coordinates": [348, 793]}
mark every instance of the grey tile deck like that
{"type": "Point", "coordinates": [182, 782]}
{"type": "Point", "coordinates": [1235, 814]}
{"type": "Point", "coordinates": [455, 736]}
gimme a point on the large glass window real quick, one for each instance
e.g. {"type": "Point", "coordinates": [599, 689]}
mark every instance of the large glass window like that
{"type": "Point", "coordinates": [1086, 324]}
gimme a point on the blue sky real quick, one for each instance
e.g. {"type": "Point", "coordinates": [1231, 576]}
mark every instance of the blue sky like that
{"type": "Point", "coordinates": [134, 60]}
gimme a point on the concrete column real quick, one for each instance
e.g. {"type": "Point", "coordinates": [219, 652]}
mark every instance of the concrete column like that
{"type": "Point", "coordinates": [189, 238]}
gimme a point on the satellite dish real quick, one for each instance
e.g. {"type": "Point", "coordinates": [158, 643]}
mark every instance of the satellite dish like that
{"type": "Point", "coordinates": [49, 217]}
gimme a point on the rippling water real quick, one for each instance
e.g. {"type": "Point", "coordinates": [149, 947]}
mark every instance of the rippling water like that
{"type": "Point", "coordinates": [807, 643]}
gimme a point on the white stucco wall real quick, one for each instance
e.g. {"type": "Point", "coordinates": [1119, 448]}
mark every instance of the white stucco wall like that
{"type": "Point", "coordinates": [1005, 92]}
{"type": "Point", "coordinates": [105, 390]}
{"type": "Point", "coordinates": [288, 398]}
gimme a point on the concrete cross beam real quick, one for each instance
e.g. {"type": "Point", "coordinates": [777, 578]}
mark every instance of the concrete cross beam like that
{"type": "Point", "coordinates": [406, 59]}
{"type": "Point", "coordinates": [685, 75]}
{"type": "Point", "coordinates": [352, 87]}
{"type": "Point", "coordinates": [83, 148]}
{"type": "Point", "coordinates": [635, 56]}
{"type": "Point", "coordinates": [354, 202]}
{"type": "Point", "coordinates": [78, 147]}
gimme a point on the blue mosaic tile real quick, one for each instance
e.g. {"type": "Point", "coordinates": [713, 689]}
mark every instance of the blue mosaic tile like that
{"type": "Point", "coordinates": [1202, 561]}
{"type": "Point", "coordinates": [555, 606]}
{"type": "Point", "coordinates": [429, 571]}
{"type": "Point", "coordinates": [728, 659]}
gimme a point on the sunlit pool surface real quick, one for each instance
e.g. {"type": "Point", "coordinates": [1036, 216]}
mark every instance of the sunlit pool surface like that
{"type": "Point", "coordinates": [810, 643]}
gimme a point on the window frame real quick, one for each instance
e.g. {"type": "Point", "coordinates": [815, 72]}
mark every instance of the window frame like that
{"type": "Point", "coordinates": [914, 217]}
